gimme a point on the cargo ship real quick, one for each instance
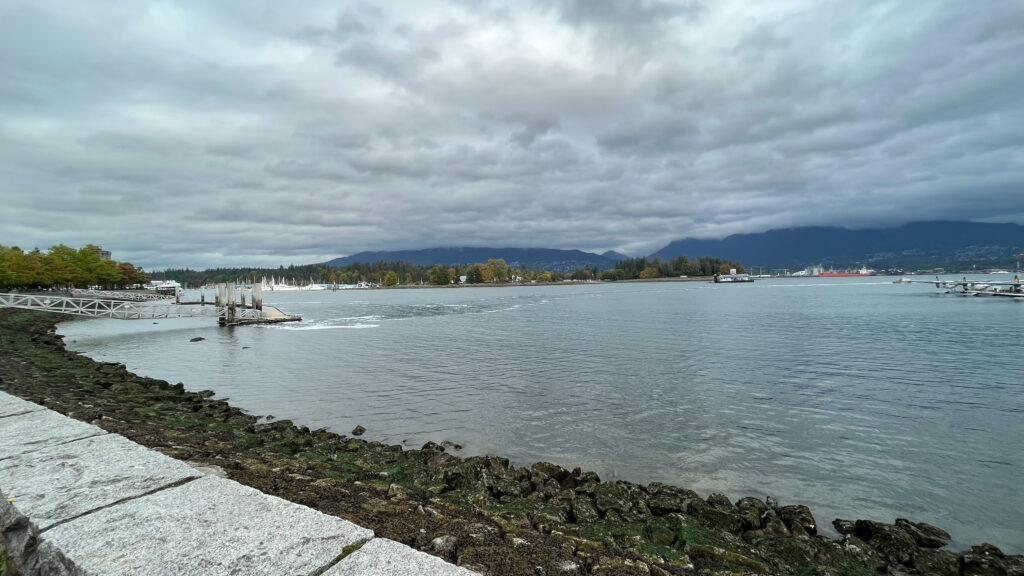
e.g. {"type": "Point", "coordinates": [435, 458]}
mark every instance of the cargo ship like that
{"type": "Point", "coordinates": [865, 271]}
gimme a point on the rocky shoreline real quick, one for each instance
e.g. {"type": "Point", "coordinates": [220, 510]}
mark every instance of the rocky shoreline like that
{"type": "Point", "coordinates": [478, 512]}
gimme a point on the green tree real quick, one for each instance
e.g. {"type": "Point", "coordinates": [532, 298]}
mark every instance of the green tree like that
{"type": "Point", "coordinates": [475, 274]}
{"type": "Point", "coordinates": [9, 257]}
{"type": "Point", "coordinates": [390, 279]}
{"type": "Point", "coordinates": [438, 276]}
{"type": "Point", "coordinates": [498, 270]}
{"type": "Point", "coordinates": [650, 272]}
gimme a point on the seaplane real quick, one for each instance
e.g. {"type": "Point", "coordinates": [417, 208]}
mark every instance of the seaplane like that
{"type": "Point", "coordinates": [965, 287]}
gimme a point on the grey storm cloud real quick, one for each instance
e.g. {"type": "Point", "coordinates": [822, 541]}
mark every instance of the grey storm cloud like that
{"type": "Point", "coordinates": [240, 133]}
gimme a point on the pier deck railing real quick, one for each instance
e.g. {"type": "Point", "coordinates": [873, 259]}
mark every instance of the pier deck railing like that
{"type": "Point", "coordinates": [120, 309]}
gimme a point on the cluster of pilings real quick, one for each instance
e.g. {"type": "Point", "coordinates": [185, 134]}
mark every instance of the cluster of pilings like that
{"type": "Point", "coordinates": [225, 298]}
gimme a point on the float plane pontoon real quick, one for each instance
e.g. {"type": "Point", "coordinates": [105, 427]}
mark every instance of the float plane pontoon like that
{"type": "Point", "coordinates": [965, 287]}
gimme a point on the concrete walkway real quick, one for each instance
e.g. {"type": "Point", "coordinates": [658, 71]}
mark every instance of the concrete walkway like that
{"type": "Point", "coordinates": [77, 500]}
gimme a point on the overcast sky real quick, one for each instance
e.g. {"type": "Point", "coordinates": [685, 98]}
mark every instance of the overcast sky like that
{"type": "Point", "coordinates": [262, 133]}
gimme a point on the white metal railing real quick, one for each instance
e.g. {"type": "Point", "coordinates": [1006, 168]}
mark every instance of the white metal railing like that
{"type": "Point", "coordinates": [119, 309]}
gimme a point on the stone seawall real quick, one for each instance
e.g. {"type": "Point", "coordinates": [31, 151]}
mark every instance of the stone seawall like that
{"type": "Point", "coordinates": [77, 500]}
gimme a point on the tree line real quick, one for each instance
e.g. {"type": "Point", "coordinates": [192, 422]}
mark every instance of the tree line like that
{"type": "Point", "coordinates": [383, 273]}
{"type": "Point", "coordinates": [63, 267]}
{"type": "Point", "coordinates": [642, 268]}
{"type": "Point", "coordinates": [494, 271]}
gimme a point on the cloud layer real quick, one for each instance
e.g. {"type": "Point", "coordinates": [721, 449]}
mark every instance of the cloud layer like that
{"type": "Point", "coordinates": [264, 133]}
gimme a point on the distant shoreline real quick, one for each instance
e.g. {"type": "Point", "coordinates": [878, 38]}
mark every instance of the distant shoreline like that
{"type": "Point", "coordinates": [527, 284]}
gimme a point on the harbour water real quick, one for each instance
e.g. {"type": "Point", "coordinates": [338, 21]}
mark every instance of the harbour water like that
{"type": "Point", "coordinates": [855, 396]}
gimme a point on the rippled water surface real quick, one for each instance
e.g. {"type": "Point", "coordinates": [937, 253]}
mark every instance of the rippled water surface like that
{"type": "Point", "coordinates": [861, 399]}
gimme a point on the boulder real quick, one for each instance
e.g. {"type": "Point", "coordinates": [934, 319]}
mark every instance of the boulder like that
{"type": "Point", "coordinates": [798, 519]}
{"type": "Point", "coordinates": [751, 504]}
{"type": "Point", "coordinates": [628, 500]}
{"type": "Point", "coordinates": [844, 527]}
{"type": "Point", "coordinates": [936, 562]}
{"type": "Point", "coordinates": [584, 511]}
{"type": "Point", "coordinates": [720, 501]}
{"type": "Point", "coordinates": [772, 528]}
{"type": "Point", "coordinates": [358, 431]}
{"type": "Point", "coordinates": [751, 510]}
{"type": "Point", "coordinates": [444, 546]}
{"type": "Point", "coordinates": [585, 482]}
{"type": "Point", "coordinates": [665, 499]}
{"type": "Point", "coordinates": [926, 535]}
{"type": "Point", "coordinates": [715, 518]}
{"type": "Point", "coordinates": [774, 525]}
{"type": "Point", "coordinates": [888, 540]}
{"type": "Point", "coordinates": [432, 447]}
{"type": "Point", "coordinates": [983, 560]}
{"type": "Point", "coordinates": [549, 470]}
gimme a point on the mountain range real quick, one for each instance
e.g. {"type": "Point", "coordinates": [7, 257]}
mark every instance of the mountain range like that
{"type": "Point", "coordinates": [915, 245]}
{"type": "Point", "coordinates": [540, 258]}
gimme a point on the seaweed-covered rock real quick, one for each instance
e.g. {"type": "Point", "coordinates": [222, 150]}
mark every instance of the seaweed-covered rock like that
{"type": "Point", "coordinates": [714, 518]}
{"type": "Point", "coordinates": [660, 533]}
{"type": "Point", "coordinates": [665, 499]}
{"type": "Point", "coordinates": [725, 561]}
{"type": "Point", "coordinates": [479, 473]}
{"type": "Point", "coordinates": [936, 562]}
{"type": "Point", "coordinates": [844, 527]}
{"type": "Point", "coordinates": [772, 528]}
{"type": "Point", "coordinates": [751, 510]}
{"type": "Point", "coordinates": [628, 501]}
{"type": "Point", "coordinates": [585, 482]}
{"type": "Point", "coordinates": [548, 470]}
{"type": "Point", "coordinates": [926, 535]}
{"type": "Point", "coordinates": [584, 511]}
{"type": "Point", "coordinates": [798, 519]}
{"type": "Point", "coordinates": [720, 501]}
{"type": "Point", "coordinates": [983, 560]}
{"type": "Point", "coordinates": [607, 566]}
{"type": "Point", "coordinates": [891, 542]}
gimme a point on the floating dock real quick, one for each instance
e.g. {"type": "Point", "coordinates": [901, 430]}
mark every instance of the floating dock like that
{"type": "Point", "coordinates": [270, 315]}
